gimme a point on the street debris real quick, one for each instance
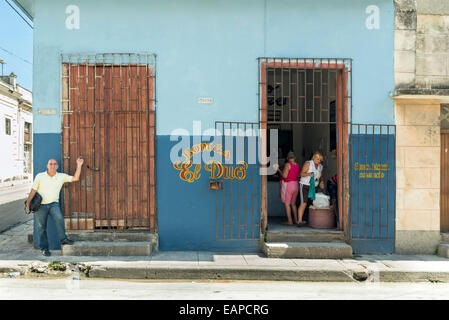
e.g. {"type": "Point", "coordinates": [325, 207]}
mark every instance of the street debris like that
{"type": "Point", "coordinates": [13, 274]}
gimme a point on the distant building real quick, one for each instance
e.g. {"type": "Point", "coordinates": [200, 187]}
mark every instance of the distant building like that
{"type": "Point", "coordinates": [16, 132]}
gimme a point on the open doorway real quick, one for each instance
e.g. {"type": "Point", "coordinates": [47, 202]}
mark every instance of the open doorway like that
{"type": "Point", "coordinates": [304, 140]}
{"type": "Point", "coordinates": [307, 101]}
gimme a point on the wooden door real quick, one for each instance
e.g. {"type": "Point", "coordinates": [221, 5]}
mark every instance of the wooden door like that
{"type": "Point", "coordinates": [109, 121]}
{"type": "Point", "coordinates": [444, 181]}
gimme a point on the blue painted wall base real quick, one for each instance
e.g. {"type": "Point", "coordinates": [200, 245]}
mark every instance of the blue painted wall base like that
{"type": "Point", "coordinates": [46, 146]}
{"type": "Point", "coordinates": [187, 211]}
{"type": "Point", "coordinates": [372, 247]}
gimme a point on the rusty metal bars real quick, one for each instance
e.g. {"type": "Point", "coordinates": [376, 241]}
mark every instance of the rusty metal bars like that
{"type": "Point", "coordinates": [311, 106]}
{"type": "Point", "coordinates": [372, 156]}
{"type": "Point", "coordinates": [235, 203]}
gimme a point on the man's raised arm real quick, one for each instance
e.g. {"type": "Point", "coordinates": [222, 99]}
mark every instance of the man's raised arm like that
{"type": "Point", "coordinates": [79, 164]}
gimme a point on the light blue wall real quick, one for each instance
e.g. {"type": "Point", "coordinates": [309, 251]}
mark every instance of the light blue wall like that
{"type": "Point", "coordinates": [208, 48]}
{"type": "Point", "coordinates": [336, 28]}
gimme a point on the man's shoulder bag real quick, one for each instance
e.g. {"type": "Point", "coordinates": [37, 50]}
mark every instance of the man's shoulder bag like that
{"type": "Point", "coordinates": [35, 203]}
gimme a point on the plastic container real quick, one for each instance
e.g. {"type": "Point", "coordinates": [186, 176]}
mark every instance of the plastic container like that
{"type": "Point", "coordinates": [321, 218]}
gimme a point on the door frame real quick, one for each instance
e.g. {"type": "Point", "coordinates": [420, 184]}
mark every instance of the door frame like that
{"type": "Point", "coordinates": [343, 119]}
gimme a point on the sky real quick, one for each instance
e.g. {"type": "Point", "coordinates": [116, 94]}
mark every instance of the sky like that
{"type": "Point", "coordinates": [16, 44]}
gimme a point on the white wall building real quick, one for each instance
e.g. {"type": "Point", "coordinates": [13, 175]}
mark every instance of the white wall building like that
{"type": "Point", "coordinates": [16, 132]}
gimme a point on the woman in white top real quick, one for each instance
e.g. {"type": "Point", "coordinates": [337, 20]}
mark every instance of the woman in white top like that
{"type": "Point", "coordinates": [310, 168]}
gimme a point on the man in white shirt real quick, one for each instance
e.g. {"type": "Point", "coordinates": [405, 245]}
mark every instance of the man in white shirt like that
{"type": "Point", "coordinates": [49, 184]}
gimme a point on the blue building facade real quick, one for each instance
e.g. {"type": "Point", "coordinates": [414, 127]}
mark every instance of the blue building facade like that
{"type": "Point", "coordinates": [206, 69]}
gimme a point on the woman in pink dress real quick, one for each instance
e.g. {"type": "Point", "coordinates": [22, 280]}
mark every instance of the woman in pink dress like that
{"type": "Point", "coordinates": [289, 187]}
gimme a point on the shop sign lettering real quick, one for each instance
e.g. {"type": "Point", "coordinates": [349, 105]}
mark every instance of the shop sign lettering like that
{"type": "Point", "coordinates": [201, 147]}
{"type": "Point", "coordinates": [190, 173]}
{"type": "Point", "coordinates": [375, 168]}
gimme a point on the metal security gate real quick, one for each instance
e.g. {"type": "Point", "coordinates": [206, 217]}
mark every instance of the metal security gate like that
{"type": "Point", "coordinates": [108, 118]}
{"type": "Point", "coordinates": [235, 173]}
{"type": "Point", "coordinates": [372, 188]}
{"type": "Point", "coordinates": [308, 91]}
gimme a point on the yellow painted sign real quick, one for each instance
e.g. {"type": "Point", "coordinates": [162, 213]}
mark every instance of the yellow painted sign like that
{"type": "Point", "coordinates": [217, 170]}
{"type": "Point", "coordinates": [375, 168]}
{"type": "Point", "coordinates": [201, 147]}
{"type": "Point", "coordinates": [190, 173]}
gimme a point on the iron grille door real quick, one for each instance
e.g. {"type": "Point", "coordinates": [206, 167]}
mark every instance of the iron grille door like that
{"type": "Point", "coordinates": [372, 188]}
{"type": "Point", "coordinates": [237, 200]}
{"type": "Point", "coordinates": [305, 90]}
{"type": "Point", "coordinates": [108, 119]}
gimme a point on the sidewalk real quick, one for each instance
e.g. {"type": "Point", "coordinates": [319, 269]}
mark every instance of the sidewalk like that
{"type": "Point", "coordinates": [17, 255]}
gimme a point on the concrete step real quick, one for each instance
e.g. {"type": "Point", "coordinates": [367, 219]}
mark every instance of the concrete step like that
{"type": "Point", "coordinates": [111, 236]}
{"type": "Point", "coordinates": [307, 250]}
{"type": "Point", "coordinates": [305, 235]}
{"type": "Point", "coordinates": [445, 237]}
{"type": "Point", "coordinates": [443, 250]}
{"type": "Point", "coordinates": [153, 238]}
{"type": "Point", "coordinates": [108, 248]}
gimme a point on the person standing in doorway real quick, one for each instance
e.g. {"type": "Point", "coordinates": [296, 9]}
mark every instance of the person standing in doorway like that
{"type": "Point", "coordinates": [49, 184]}
{"type": "Point", "coordinates": [289, 187]}
{"type": "Point", "coordinates": [311, 169]}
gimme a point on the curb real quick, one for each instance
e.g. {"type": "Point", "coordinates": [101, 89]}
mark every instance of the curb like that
{"type": "Point", "coordinates": [221, 273]}
{"type": "Point", "coordinates": [265, 274]}
{"type": "Point", "coordinates": [250, 273]}
{"type": "Point", "coordinates": [10, 266]}
{"type": "Point", "coordinates": [414, 276]}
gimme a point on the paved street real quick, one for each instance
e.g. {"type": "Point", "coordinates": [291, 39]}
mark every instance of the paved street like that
{"type": "Point", "coordinates": [13, 193]}
{"type": "Point", "coordinates": [12, 214]}
{"type": "Point", "coordinates": [18, 288]}
{"type": "Point", "coordinates": [11, 206]}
